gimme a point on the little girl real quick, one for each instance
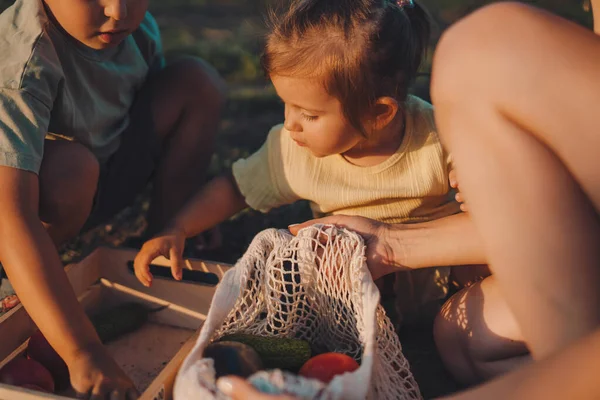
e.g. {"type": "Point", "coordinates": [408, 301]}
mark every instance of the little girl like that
{"type": "Point", "coordinates": [353, 142]}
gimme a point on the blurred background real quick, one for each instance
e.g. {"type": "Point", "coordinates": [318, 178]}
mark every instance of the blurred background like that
{"type": "Point", "coordinates": [229, 34]}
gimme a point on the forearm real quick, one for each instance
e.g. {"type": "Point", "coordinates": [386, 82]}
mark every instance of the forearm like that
{"type": "Point", "coordinates": [35, 271]}
{"type": "Point", "coordinates": [443, 242]}
{"type": "Point", "coordinates": [216, 202]}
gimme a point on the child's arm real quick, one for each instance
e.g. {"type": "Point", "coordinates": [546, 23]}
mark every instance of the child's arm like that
{"type": "Point", "coordinates": [34, 268]}
{"type": "Point", "coordinates": [214, 203]}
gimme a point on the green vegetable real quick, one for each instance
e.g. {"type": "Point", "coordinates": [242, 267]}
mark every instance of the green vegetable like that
{"type": "Point", "coordinates": [233, 358]}
{"type": "Point", "coordinates": [115, 322]}
{"type": "Point", "coordinates": [282, 353]}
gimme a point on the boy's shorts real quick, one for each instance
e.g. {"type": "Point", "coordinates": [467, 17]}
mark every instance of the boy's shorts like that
{"type": "Point", "coordinates": [129, 170]}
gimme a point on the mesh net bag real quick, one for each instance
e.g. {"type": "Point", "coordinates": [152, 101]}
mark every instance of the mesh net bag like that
{"type": "Point", "coordinates": [317, 287]}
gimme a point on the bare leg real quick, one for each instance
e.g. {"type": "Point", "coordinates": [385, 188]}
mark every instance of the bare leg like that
{"type": "Point", "coordinates": [68, 178]}
{"type": "Point", "coordinates": [516, 92]}
{"type": "Point", "coordinates": [477, 335]}
{"type": "Point", "coordinates": [189, 98]}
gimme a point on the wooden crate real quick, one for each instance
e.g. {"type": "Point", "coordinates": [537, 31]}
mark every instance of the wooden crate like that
{"type": "Point", "coordinates": [152, 355]}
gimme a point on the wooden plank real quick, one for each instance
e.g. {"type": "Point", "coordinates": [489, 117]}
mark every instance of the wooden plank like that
{"type": "Point", "coordinates": [192, 296]}
{"type": "Point", "coordinates": [102, 279]}
{"type": "Point", "coordinates": [8, 392]}
{"type": "Point", "coordinates": [162, 387]}
{"type": "Point", "coordinates": [15, 327]}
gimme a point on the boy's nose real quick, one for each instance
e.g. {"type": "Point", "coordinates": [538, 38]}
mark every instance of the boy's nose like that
{"type": "Point", "coordinates": [116, 9]}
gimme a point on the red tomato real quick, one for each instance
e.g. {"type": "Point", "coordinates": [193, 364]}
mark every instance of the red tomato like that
{"type": "Point", "coordinates": [40, 350]}
{"type": "Point", "coordinates": [24, 371]}
{"type": "Point", "coordinates": [327, 365]}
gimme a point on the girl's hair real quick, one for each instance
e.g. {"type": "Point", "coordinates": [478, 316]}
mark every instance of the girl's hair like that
{"type": "Point", "coordinates": [360, 49]}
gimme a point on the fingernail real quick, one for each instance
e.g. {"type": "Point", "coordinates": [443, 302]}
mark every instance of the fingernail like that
{"type": "Point", "coordinates": [225, 386]}
{"type": "Point", "coordinates": [292, 225]}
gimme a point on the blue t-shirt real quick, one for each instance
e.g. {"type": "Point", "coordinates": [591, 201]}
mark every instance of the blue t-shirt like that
{"type": "Point", "coordinates": [53, 86]}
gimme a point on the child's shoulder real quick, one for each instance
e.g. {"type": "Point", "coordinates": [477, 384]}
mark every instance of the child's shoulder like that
{"type": "Point", "coordinates": [149, 28]}
{"type": "Point", "coordinates": [22, 29]}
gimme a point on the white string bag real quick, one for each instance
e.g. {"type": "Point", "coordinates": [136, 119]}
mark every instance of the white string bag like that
{"type": "Point", "coordinates": [315, 287]}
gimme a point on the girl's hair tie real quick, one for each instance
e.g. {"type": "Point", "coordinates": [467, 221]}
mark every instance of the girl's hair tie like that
{"type": "Point", "coordinates": [405, 3]}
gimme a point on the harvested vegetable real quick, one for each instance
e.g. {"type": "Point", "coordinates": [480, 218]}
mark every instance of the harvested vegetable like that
{"type": "Point", "coordinates": [40, 350]}
{"type": "Point", "coordinates": [282, 353]}
{"type": "Point", "coordinates": [326, 366]}
{"type": "Point", "coordinates": [25, 372]}
{"type": "Point", "coordinates": [233, 358]}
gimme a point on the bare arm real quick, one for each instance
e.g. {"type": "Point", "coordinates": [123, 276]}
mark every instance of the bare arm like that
{"type": "Point", "coordinates": [391, 247]}
{"type": "Point", "coordinates": [34, 268]}
{"type": "Point", "coordinates": [217, 201]}
{"type": "Point", "coordinates": [446, 241]}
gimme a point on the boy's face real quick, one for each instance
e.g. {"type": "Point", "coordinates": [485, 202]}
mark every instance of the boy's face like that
{"type": "Point", "coordinates": [98, 24]}
{"type": "Point", "coordinates": [314, 118]}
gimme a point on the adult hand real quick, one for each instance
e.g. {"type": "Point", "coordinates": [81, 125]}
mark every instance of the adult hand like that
{"type": "Point", "coordinates": [380, 254]}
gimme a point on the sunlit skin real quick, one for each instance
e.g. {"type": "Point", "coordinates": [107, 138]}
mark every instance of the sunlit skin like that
{"type": "Point", "coordinates": [315, 120]}
{"type": "Point", "coordinates": [98, 24]}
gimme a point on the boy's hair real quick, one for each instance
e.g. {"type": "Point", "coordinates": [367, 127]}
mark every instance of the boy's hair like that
{"type": "Point", "coordinates": [360, 49]}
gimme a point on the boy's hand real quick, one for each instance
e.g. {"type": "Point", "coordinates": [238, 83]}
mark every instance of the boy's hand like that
{"type": "Point", "coordinates": [379, 253]}
{"type": "Point", "coordinates": [169, 244]}
{"type": "Point", "coordinates": [454, 184]}
{"type": "Point", "coordinates": [95, 375]}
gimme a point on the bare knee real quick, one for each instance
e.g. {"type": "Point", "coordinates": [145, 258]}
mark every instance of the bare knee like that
{"type": "Point", "coordinates": [476, 335]}
{"type": "Point", "coordinates": [68, 181]}
{"type": "Point", "coordinates": [482, 50]}
{"type": "Point", "coordinates": [451, 334]}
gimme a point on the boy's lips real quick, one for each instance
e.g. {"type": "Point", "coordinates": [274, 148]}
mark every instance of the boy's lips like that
{"type": "Point", "coordinates": [112, 36]}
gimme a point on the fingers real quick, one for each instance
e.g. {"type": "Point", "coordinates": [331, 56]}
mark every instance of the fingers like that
{"type": "Point", "coordinates": [175, 256]}
{"type": "Point", "coordinates": [141, 264]}
{"type": "Point", "coordinates": [239, 389]}
{"type": "Point", "coordinates": [333, 220]}
{"type": "Point", "coordinates": [453, 179]}
{"type": "Point", "coordinates": [460, 198]}
{"type": "Point", "coordinates": [103, 391]}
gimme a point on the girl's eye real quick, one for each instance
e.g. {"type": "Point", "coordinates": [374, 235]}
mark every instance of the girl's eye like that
{"type": "Point", "coordinates": [309, 117]}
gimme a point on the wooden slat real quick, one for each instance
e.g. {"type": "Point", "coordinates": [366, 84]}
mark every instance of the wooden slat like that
{"type": "Point", "coordinates": [103, 279]}
{"type": "Point", "coordinates": [162, 387]}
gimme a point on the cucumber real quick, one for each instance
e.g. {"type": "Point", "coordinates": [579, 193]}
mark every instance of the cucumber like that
{"type": "Point", "coordinates": [115, 322]}
{"type": "Point", "coordinates": [281, 353]}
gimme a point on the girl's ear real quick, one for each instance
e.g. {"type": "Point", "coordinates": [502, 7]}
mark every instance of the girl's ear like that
{"type": "Point", "coordinates": [383, 112]}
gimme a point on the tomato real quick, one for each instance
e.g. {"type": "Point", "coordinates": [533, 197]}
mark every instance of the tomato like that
{"type": "Point", "coordinates": [24, 371]}
{"type": "Point", "coordinates": [327, 365]}
{"type": "Point", "coordinates": [40, 350]}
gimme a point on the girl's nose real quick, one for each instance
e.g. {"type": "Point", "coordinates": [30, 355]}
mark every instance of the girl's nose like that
{"type": "Point", "coordinates": [116, 9]}
{"type": "Point", "coordinates": [291, 121]}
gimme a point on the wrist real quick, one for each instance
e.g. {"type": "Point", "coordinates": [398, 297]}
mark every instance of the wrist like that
{"type": "Point", "coordinates": [177, 228]}
{"type": "Point", "coordinates": [394, 248]}
{"type": "Point", "coordinates": [85, 350]}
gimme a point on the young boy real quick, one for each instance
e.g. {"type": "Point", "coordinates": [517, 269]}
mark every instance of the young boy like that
{"type": "Point", "coordinates": [88, 114]}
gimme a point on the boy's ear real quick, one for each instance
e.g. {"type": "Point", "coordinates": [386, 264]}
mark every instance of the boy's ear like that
{"type": "Point", "coordinates": [383, 112]}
